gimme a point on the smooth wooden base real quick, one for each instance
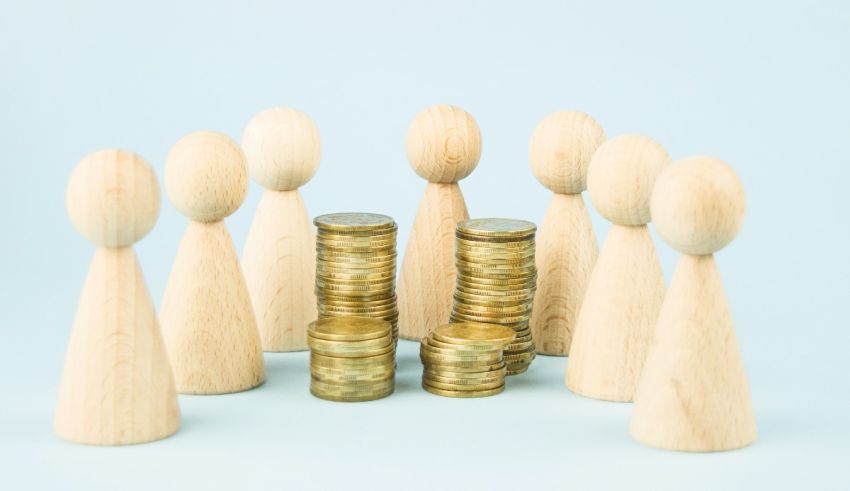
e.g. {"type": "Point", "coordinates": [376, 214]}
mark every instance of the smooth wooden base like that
{"type": "Point", "coordinates": [693, 395]}
{"type": "Point", "coordinates": [566, 253]}
{"type": "Point", "coordinates": [207, 320]}
{"type": "Point", "coordinates": [427, 278]}
{"type": "Point", "coordinates": [117, 387]}
{"type": "Point", "coordinates": [617, 319]}
{"type": "Point", "coordinates": [279, 263]}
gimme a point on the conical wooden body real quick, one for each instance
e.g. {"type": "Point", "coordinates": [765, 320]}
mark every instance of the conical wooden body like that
{"type": "Point", "coordinates": [566, 253]}
{"type": "Point", "coordinates": [207, 320]}
{"type": "Point", "coordinates": [693, 394]}
{"type": "Point", "coordinates": [117, 386]}
{"type": "Point", "coordinates": [617, 319]}
{"type": "Point", "coordinates": [279, 263]}
{"type": "Point", "coordinates": [427, 278]}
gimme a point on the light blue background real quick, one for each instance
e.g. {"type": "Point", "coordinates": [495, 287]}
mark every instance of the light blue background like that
{"type": "Point", "coordinates": [762, 85]}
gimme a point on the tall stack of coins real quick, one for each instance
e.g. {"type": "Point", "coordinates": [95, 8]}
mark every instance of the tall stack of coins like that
{"type": "Point", "coordinates": [356, 266]}
{"type": "Point", "coordinates": [465, 359]}
{"type": "Point", "coordinates": [496, 281]}
{"type": "Point", "coordinates": [351, 358]}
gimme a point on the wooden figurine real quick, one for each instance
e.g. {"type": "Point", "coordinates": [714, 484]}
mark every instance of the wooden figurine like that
{"type": "Point", "coordinates": [617, 318]}
{"type": "Point", "coordinates": [279, 261]}
{"type": "Point", "coordinates": [560, 151]}
{"type": "Point", "coordinates": [207, 320]}
{"type": "Point", "coordinates": [117, 386]}
{"type": "Point", "coordinates": [693, 395]}
{"type": "Point", "coordinates": [443, 147]}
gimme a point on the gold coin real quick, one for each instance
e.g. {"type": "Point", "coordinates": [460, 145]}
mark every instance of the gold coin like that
{"type": "Point", "coordinates": [489, 262]}
{"type": "Point", "coordinates": [348, 377]}
{"type": "Point", "coordinates": [459, 349]}
{"type": "Point", "coordinates": [372, 362]}
{"type": "Point", "coordinates": [463, 393]}
{"type": "Point", "coordinates": [518, 370]}
{"type": "Point", "coordinates": [480, 382]}
{"type": "Point", "coordinates": [430, 358]}
{"type": "Point", "coordinates": [348, 329]}
{"type": "Point", "coordinates": [447, 373]}
{"type": "Point", "coordinates": [499, 319]}
{"type": "Point", "coordinates": [464, 369]}
{"type": "Point", "coordinates": [355, 353]}
{"type": "Point", "coordinates": [500, 309]}
{"type": "Point", "coordinates": [355, 244]}
{"type": "Point", "coordinates": [494, 302]}
{"type": "Point", "coordinates": [382, 276]}
{"type": "Point", "coordinates": [463, 387]}
{"type": "Point", "coordinates": [476, 244]}
{"type": "Point", "coordinates": [496, 227]}
{"type": "Point", "coordinates": [463, 348]}
{"type": "Point", "coordinates": [345, 222]}
{"type": "Point", "coordinates": [352, 398]}
{"type": "Point", "coordinates": [349, 345]}
{"type": "Point", "coordinates": [469, 333]}
{"type": "Point", "coordinates": [493, 257]}
{"type": "Point", "coordinates": [350, 387]}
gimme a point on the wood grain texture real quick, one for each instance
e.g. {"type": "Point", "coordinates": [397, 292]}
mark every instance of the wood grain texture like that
{"type": "Point", "coordinates": [113, 198]}
{"type": "Point", "coordinates": [693, 395]}
{"type": "Point", "coordinates": [207, 319]}
{"type": "Point", "coordinates": [566, 253]}
{"type": "Point", "coordinates": [117, 386]}
{"type": "Point", "coordinates": [279, 263]}
{"type": "Point", "coordinates": [443, 144]}
{"type": "Point", "coordinates": [616, 322]}
{"type": "Point", "coordinates": [427, 278]}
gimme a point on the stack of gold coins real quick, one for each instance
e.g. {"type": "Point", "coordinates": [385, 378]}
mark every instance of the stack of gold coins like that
{"type": "Point", "coordinates": [356, 266]}
{"type": "Point", "coordinates": [496, 281]}
{"type": "Point", "coordinates": [351, 358]}
{"type": "Point", "coordinates": [465, 359]}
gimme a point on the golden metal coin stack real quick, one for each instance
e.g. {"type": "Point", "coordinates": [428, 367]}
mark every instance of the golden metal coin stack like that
{"type": "Point", "coordinates": [496, 281]}
{"type": "Point", "coordinates": [352, 359]}
{"type": "Point", "coordinates": [356, 266]}
{"type": "Point", "coordinates": [465, 359]}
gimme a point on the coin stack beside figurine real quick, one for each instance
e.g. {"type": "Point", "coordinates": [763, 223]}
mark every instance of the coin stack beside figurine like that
{"type": "Point", "coordinates": [352, 359]}
{"type": "Point", "coordinates": [356, 266]}
{"type": "Point", "coordinates": [496, 281]}
{"type": "Point", "coordinates": [465, 359]}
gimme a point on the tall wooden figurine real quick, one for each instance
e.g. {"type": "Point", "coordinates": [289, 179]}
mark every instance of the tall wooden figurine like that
{"type": "Point", "coordinates": [693, 394]}
{"type": "Point", "coordinates": [279, 261]}
{"type": "Point", "coordinates": [209, 325]}
{"type": "Point", "coordinates": [117, 386]}
{"type": "Point", "coordinates": [443, 146]}
{"type": "Point", "coordinates": [560, 151]}
{"type": "Point", "coordinates": [617, 318]}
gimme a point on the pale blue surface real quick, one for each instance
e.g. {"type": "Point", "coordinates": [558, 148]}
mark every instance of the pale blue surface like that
{"type": "Point", "coordinates": [762, 85]}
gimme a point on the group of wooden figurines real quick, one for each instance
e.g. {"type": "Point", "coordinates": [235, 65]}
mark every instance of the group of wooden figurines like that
{"type": "Point", "coordinates": [675, 355]}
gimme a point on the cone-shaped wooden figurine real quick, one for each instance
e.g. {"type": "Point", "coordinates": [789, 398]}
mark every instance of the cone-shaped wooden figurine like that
{"type": "Point", "coordinates": [207, 320]}
{"type": "Point", "coordinates": [443, 146]}
{"type": "Point", "coordinates": [117, 387]}
{"type": "Point", "coordinates": [279, 261]}
{"type": "Point", "coordinates": [693, 394]}
{"type": "Point", "coordinates": [560, 152]}
{"type": "Point", "coordinates": [617, 318]}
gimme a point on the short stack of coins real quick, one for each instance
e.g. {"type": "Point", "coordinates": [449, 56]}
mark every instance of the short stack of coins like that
{"type": "Point", "coordinates": [356, 266]}
{"type": "Point", "coordinates": [352, 359]}
{"type": "Point", "coordinates": [465, 359]}
{"type": "Point", "coordinates": [496, 281]}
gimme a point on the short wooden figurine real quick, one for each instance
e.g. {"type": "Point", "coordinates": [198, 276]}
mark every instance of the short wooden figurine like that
{"type": "Point", "coordinates": [207, 320]}
{"type": "Point", "coordinates": [117, 387]}
{"type": "Point", "coordinates": [693, 395]}
{"type": "Point", "coordinates": [279, 261]}
{"type": "Point", "coordinates": [443, 147]}
{"type": "Point", "coordinates": [560, 152]}
{"type": "Point", "coordinates": [617, 318]}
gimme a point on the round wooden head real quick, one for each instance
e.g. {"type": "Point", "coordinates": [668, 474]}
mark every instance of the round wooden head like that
{"type": "Point", "coordinates": [443, 144]}
{"type": "Point", "coordinates": [698, 205]}
{"type": "Point", "coordinates": [621, 176]}
{"type": "Point", "coordinates": [206, 176]}
{"type": "Point", "coordinates": [283, 148]}
{"type": "Point", "coordinates": [113, 198]}
{"type": "Point", "coordinates": [561, 148]}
